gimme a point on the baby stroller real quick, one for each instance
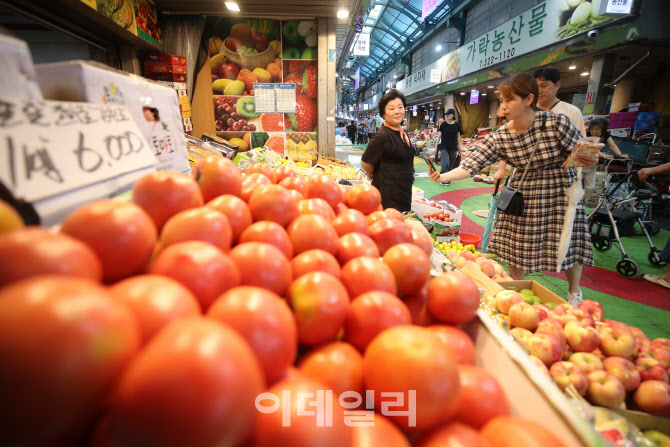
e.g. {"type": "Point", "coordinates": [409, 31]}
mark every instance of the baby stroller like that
{"type": "Point", "coordinates": [609, 219]}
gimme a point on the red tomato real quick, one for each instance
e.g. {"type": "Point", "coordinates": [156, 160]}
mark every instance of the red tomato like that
{"type": "Point", "coordinates": [458, 341]}
{"type": "Point", "coordinates": [120, 233]}
{"type": "Point", "coordinates": [338, 365]}
{"type": "Point", "coordinates": [286, 401]}
{"type": "Point", "coordinates": [315, 261]}
{"type": "Point", "coordinates": [33, 251]}
{"type": "Point", "coordinates": [404, 358]}
{"type": "Point", "coordinates": [295, 183]}
{"type": "Point", "coordinates": [482, 397]}
{"type": "Point", "coordinates": [297, 196]}
{"type": "Point", "coordinates": [365, 274]}
{"type": "Point", "coordinates": [319, 302]}
{"type": "Point", "coordinates": [271, 233]}
{"type": "Point", "coordinates": [453, 298]}
{"type": "Point", "coordinates": [273, 203]}
{"type": "Point", "coordinates": [262, 168]}
{"type": "Point", "coordinates": [236, 210]}
{"type": "Point", "coordinates": [252, 181]}
{"type": "Point", "coordinates": [340, 207]}
{"type": "Point", "coordinates": [388, 232]}
{"type": "Point", "coordinates": [265, 321]}
{"type": "Point", "coordinates": [510, 431]}
{"type": "Point", "coordinates": [410, 267]}
{"type": "Point", "coordinates": [312, 231]}
{"type": "Point", "coordinates": [372, 312]}
{"type": "Point", "coordinates": [418, 308]}
{"type": "Point", "coordinates": [350, 221]}
{"type": "Point", "coordinates": [393, 213]}
{"type": "Point", "coordinates": [162, 194]}
{"type": "Point", "coordinates": [316, 206]}
{"type": "Point", "coordinates": [284, 171]}
{"type": "Point", "coordinates": [156, 301]}
{"type": "Point", "coordinates": [324, 187]}
{"type": "Point", "coordinates": [217, 176]}
{"type": "Point", "coordinates": [422, 239]}
{"type": "Point", "coordinates": [382, 433]}
{"type": "Point", "coordinates": [364, 198]}
{"type": "Point", "coordinates": [262, 265]}
{"type": "Point", "coordinates": [204, 269]}
{"type": "Point", "coordinates": [63, 342]}
{"type": "Point", "coordinates": [375, 216]}
{"type": "Point", "coordinates": [194, 384]}
{"type": "Point", "coordinates": [200, 224]}
{"type": "Point", "coordinates": [353, 245]}
{"type": "Point", "coordinates": [454, 434]}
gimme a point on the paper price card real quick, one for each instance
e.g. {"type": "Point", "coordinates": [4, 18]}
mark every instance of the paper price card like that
{"type": "Point", "coordinates": [286, 98]}
{"type": "Point", "coordinates": [51, 147]}
{"type": "Point", "coordinates": [264, 97]}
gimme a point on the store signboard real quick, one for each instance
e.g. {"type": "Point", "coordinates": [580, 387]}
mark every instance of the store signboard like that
{"type": "Point", "coordinates": [616, 7]}
{"type": "Point", "coordinates": [420, 80]}
{"type": "Point", "coordinates": [362, 46]}
{"type": "Point", "coordinates": [357, 79]}
{"type": "Point", "coordinates": [474, 97]}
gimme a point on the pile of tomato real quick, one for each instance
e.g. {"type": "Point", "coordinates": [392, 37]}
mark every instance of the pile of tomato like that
{"type": "Point", "coordinates": [241, 309]}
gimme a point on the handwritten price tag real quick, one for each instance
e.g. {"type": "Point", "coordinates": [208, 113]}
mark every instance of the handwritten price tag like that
{"type": "Point", "coordinates": [51, 147]}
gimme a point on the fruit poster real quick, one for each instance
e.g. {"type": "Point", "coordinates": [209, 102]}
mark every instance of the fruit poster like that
{"type": "Point", "coordinates": [121, 12]}
{"type": "Point", "coordinates": [248, 51]}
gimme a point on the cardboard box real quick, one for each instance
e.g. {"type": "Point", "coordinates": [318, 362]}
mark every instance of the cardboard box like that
{"type": "Point", "coordinates": [96, 83]}
{"type": "Point", "coordinates": [163, 68]}
{"type": "Point", "coordinates": [546, 295]}
{"type": "Point", "coordinates": [645, 421]}
{"type": "Point", "coordinates": [17, 77]}
{"type": "Point", "coordinates": [166, 59]}
{"type": "Point", "coordinates": [175, 85]}
{"type": "Point", "coordinates": [166, 77]}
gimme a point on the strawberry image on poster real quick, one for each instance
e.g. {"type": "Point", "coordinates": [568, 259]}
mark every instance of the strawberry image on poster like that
{"type": "Point", "coordinates": [295, 78]}
{"type": "Point", "coordinates": [297, 66]}
{"type": "Point", "coordinates": [306, 118]}
{"type": "Point", "coordinates": [309, 81]}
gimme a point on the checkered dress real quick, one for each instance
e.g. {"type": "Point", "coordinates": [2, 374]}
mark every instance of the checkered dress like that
{"type": "Point", "coordinates": [530, 242]}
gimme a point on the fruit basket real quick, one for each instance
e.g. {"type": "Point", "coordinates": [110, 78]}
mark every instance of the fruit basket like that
{"type": "Point", "coordinates": [249, 61]}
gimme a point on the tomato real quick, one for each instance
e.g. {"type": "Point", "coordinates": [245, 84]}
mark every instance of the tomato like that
{"type": "Point", "coordinates": [32, 251]}
{"type": "Point", "coordinates": [283, 421]}
{"type": "Point", "coordinates": [217, 176]}
{"type": "Point", "coordinates": [284, 171]}
{"type": "Point", "coordinates": [162, 194]}
{"type": "Point", "coordinates": [63, 342]}
{"type": "Point", "coordinates": [200, 224]}
{"type": "Point", "coordinates": [372, 312]}
{"type": "Point", "coordinates": [350, 221]}
{"type": "Point", "coordinates": [364, 198]}
{"type": "Point", "coordinates": [510, 431]}
{"type": "Point", "coordinates": [353, 245]}
{"type": "Point", "coordinates": [418, 308]}
{"type": "Point", "coordinates": [404, 358]}
{"type": "Point", "coordinates": [297, 196]}
{"type": "Point", "coordinates": [375, 216]}
{"type": "Point", "coordinates": [262, 265]}
{"type": "Point", "coordinates": [250, 182]}
{"type": "Point", "coordinates": [271, 233]}
{"type": "Point", "coordinates": [382, 433]}
{"type": "Point", "coordinates": [453, 434]}
{"type": "Point", "coordinates": [315, 261]}
{"type": "Point", "coordinates": [236, 210]}
{"type": "Point", "coordinates": [458, 341]}
{"type": "Point", "coordinates": [265, 321]}
{"type": "Point", "coordinates": [420, 237]}
{"type": "Point", "coordinates": [273, 203]}
{"type": "Point", "coordinates": [393, 213]}
{"type": "Point", "coordinates": [156, 301]}
{"type": "Point", "coordinates": [194, 384]}
{"type": "Point", "coordinates": [364, 274]}
{"type": "Point", "coordinates": [482, 397]}
{"type": "Point", "coordinates": [310, 231]}
{"type": "Point", "coordinates": [324, 187]}
{"type": "Point", "coordinates": [340, 207]}
{"type": "Point", "coordinates": [338, 365]}
{"type": "Point", "coordinates": [316, 206]}
{"type": "Point", "coordinates": [319, 302]}
{"type": "Point", "coordinates": [200, 266]}
{"type": "Point", "coordinates": [262, 168]}
{"type": "Point", "coordinates": [389, 232]}
{"type": "Point", "coordinates": [295, 183]}
{"type": "Point", "coordinates": [120, 233]}
{"type": "Point", "coordinates": [410, 267]}
{"type": "Point", "coordinates": [453, 298]}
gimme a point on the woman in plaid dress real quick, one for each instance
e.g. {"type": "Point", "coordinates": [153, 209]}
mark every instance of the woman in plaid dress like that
{"type": "Point", "coordinates": [529, 243]}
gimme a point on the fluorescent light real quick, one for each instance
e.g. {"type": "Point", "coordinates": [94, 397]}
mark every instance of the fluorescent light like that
{"type": "Point", "coordinates": [491, 86]}
{"type": "Point", "coordinates": [232, 6]}
{"type": "Point", "coordinates": [342, 13]}
{"type": "Point", "coordinates": [473, 90]}
{"type": "Point", "coordinates": [336, 75]}
{"type": "Point", "coordinates": [438, 47]}
{"type": "Point", "coordinates": [367, 29]}
{"type": "Point", "coordinates": [572, 67]}
{"type": "Point", "coordinates": [374, 13]}
{"type": "Point", "coordinates": [586, 73]}
{"type": "Point", "coordinates": [369, 21]}
{"type": "Point", "coordinates": [463, 93]}
{"type": "Point", "coordinates": [495, 91]}
{"type": "Point", "coordinates": [484, 94]}
{"type": "Point", "coordinates": [395, 76]}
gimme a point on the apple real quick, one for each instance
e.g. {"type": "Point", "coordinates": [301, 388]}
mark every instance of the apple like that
{"type": "Point", "coordinates": [467, 255]}
{"type": "Point", "coordinates": [506, 299]}
{"type": "Point", "coordinates": [657, 438]}
{"type": "Point", "coordinates": [229, 71]}
{"type": "Point", "coordinates": [624, 370]}
{"type": "Point", "coordinates": [660, 343]}
{"type": "Point", "coordinates": [551, 327]}
{"type": "Point", "coordinates": [523, 315]}
{"type": "Point", "coordinates": [598, 353]}
{"type": "Point", "coordinates": [605, 390]}
{"type": "Point", "coordinates": [542, 311]}
{"type": "Point", "coordinates": [459, 261]}
{"type": "Point", "coordinates": [290, 33]}
{"type": "Point", "coordinates": [233, 43]}
{"type": "Point", "coordinates": [522, 334]}
{"type": "Point", "coordinates": [651, 369]}
{"type": "Point", "coordinates": [564, 317]}
{"type": "Point", "coordinates": [653, 396]}
{"type": "Point", "coordinates": [545, 347]}
{"type": "Point", "coordinates": [565, 373]}
{"type": "Point", "coordinates": [261, 41]}
{"type": "Point", "coordinates": [663, 356]}
{"type": "Point", "coordinates": [580, 337]}
{"type": "Point", "coordinates": [637, 332]}
{"type": "Point", "coordinates": [567, 352]}
{"type": "Point", "coordinates": [499, 269]}
{"type": "Point", "coordinates": [594, 308]}
{"type": "Point", "coordinates": [564, 307]}
{"type": "Point", "coordinates": [617, 339]}
{"type": "Point", "coordinates": [588, 362]}
{"type": "Point", "coordinates": [291, 53]}
{"type": "Point", "coordinates": [583, 317]}
{"type": "Point", "coordinates": [309, 53]}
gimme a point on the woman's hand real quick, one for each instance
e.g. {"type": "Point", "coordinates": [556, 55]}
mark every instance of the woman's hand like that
{"type": "Point", "coordinates": [586, 161]}
{"type": "Point", "coordinates": [644, 173]}
{"type": "Point", "coordinates": [435, 176]}
{"type": "Point", "coordinates": [499, 175]}
{"type": "Point", "coordinates": [623, 155]}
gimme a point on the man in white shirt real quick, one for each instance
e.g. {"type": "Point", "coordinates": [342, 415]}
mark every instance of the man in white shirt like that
{"type": "Point", "coordinates": [549, 81]}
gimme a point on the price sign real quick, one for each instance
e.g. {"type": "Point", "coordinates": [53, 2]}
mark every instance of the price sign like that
{"type": "Point", "coordinates": [51, 147]}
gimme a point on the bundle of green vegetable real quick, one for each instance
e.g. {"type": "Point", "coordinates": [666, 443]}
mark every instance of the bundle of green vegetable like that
{"type": "Point", "coordinates": [585, 17]}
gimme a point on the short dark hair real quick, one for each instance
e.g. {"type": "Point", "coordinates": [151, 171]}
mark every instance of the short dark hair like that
{"type": "Point", "coordinates": [599, 122]}
{"type": "Point", "coordinates": [450, 112]}
{"type": "Point", "coordinates": [388, 97]}
{"type": "Point", "coordinates": [548, 73]}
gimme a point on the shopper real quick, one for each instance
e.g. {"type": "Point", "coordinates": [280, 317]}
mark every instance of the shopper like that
{"type": "Point", "coordinates": [372, 129]}
{"type": "Point", "coordinates": [351, 132]}
{"type": "Point", "coordinates": [449, 137]}
{"type": "Point", "coordinates": [389, 157]}
{"type": "Point", "coordinates": [598, 128]}
{"type": "Point", "coordinates": [664, 255]}
{"type": "Point", "coordinates": [362, 134]}
{"type": "Point", "coordinates": [529, 243]}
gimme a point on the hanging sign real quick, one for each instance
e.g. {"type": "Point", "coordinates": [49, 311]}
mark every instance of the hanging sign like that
{"type": "Point", "coordinates": [616, 8]}
{"type": "Point", "coordinates": [362, 46]}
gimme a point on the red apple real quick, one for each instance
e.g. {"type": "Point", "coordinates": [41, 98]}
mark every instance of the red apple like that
{"type": "Point", "coordinates": [260, 40]}
{"type": "Point", "coordinates": [598, 353]}
{"type": "Point", "coordinates": [545, 347]}
{"type": "Point", "coordinates": [588, 362]}
{"type": "Point", "coordinates": [651, 369]}
{"type": "Point", "coordinates": [523, 315]}
{"type": "Point", "coordinates": [583, 317]}
{"type": "Point", "coordinates": [233, 43]}
{"type": "Point", "coordinates": [506, 299]}
{"type": "Point", "coordinates": [594, 308]}
{"type": "Point", "coordinates": [663, 356]}
{"type": "Point", "coordinates": [565, 373]}
{"type": "Point", "coordinates": [567, 352]}
{"type": "Point", "coordinates": [653, 396]}
{"type": "Point", "coordinates": [565, 307]}
{"type": "Point", "coordinates": [605, 390]}
{"type": "Point", "coordinates": [542, 310]}
{"type": "Point", "coordinates": [580, 337]}
{"type": "Point", "coordinates": [637, 332]}
{"type": "Point", "coordinates": [624, 370]}
{"type": "Point", "coordinates": [229, 71]}
{"type": "Point", "coordinates": [660, 342]}
{"type": "Point", "coordinates": [522, 334]}
{"type": "Point", "coordinates": [617, 339]}
{"type": "Point", "coordinates": [565, 317]}
{"type": "Point", "coordinates": [551, 327]}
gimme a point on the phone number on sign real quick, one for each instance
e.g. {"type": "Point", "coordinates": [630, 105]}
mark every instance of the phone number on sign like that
{"type": "Point", "coordinates": [501, 56]}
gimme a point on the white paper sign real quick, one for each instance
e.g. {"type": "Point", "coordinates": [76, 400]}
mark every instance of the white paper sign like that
{"type": "Point", "coordinates": [264, 97]}
{"type": "Point", "coordinates": [285, 98]}
{"type": "Point", "coordinates": [51, 147]}
{"type": "Point", "coordinates": [623, 7]}
{"type": "Point", "coordinates": [362, 47]}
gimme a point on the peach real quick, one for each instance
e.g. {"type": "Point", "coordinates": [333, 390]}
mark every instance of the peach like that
{"type": "Point", "coordinates": [467, 255]}
{"type": "Point", "coordinates": [487, 269]}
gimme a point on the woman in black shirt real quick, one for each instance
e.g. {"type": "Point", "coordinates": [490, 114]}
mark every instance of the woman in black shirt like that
{"type": "Point", "coordinates": [449, 134]}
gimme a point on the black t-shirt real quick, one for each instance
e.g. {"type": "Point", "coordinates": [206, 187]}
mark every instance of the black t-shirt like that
{"type": "Point", "coordinates": [449, 135]}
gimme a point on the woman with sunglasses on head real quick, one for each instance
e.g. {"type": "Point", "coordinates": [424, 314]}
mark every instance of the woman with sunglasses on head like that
{"type": "Point", "coordinates": [540, 141]}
